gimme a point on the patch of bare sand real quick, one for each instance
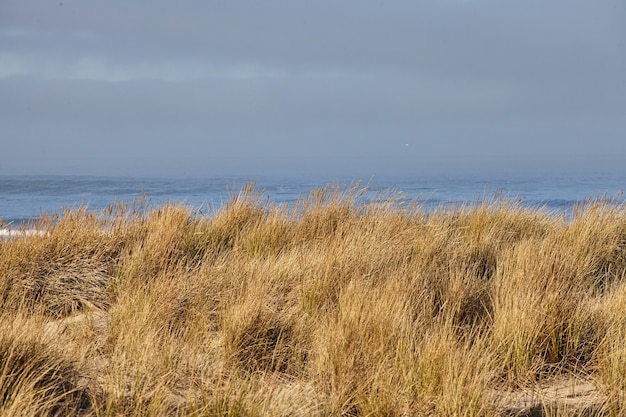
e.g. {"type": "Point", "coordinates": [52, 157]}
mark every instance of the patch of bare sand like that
{"type": "Point", "coordinates": [95, 320]}
{"type": "Point", "coordinates": [566, 395]}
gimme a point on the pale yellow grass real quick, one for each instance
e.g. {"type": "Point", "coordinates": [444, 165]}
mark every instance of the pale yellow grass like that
{"type": "Point", "coordinates": [331, 306]}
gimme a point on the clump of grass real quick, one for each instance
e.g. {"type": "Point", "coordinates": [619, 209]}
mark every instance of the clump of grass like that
{"type": "Point", "coordinates": [611, 351]}
{"type": "Point", "coordinates": [36, 376]}
{"type": "Point", "coordinates": [335, 305]}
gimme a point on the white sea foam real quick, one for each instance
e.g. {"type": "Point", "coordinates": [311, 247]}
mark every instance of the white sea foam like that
{"type": "Point", "coordinates": [8, 233]}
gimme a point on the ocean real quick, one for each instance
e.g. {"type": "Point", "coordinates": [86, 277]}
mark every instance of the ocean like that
{"type": "Point", "coordinates": [24, 198]}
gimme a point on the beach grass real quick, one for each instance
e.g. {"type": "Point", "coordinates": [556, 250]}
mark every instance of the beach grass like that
{"type": "Point", "coordinates": [332, 305]}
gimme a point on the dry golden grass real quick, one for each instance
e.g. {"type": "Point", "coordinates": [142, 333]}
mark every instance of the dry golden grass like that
{"type": "Point", "coordinates": [331, 306]}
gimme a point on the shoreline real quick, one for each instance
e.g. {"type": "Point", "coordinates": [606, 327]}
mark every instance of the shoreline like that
{"type": "Point", "coordinates": [10, 233]}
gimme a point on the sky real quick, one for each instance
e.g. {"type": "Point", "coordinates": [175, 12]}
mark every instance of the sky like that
{"type": "Point", "coordinates": [294, 87]}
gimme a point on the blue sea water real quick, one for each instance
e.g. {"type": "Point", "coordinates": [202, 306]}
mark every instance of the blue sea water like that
{"type": "Point", "coordinates": [24, 198]}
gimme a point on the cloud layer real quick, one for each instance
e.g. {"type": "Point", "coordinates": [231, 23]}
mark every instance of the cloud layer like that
{"type": "Point", "coordinates": [291, 86]}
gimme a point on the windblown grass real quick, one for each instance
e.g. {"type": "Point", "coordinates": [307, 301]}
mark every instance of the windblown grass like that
{"type": "Point", "coordinates": [330, 306]}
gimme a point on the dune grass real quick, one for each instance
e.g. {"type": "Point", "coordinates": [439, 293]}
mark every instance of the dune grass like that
{"type": "Point", "coordinates": [330, 306]}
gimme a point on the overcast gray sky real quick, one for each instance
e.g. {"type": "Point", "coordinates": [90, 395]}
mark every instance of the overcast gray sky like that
{"type": "Point", "coordinates": [354, 87]}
